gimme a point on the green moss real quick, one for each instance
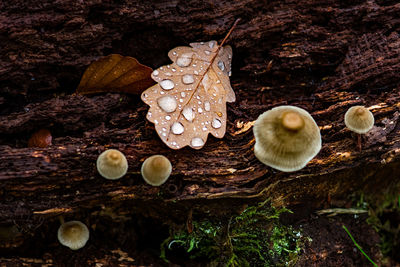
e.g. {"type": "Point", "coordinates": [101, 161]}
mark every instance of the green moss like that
{"type": "Point", "coordinates": [253, 238]}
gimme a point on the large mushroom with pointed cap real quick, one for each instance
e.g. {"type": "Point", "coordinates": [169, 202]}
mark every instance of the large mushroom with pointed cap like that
{"type": "Point", "coordinates": [287, 138]}
{"type": "Point", "coordinates": [73, 234]}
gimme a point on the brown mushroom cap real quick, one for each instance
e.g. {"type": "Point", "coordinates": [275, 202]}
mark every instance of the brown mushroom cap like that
{"type": "Point", "coordinates": [41, 138]}
{"type": "Point", "coordinates": [359, 119]}
{"type": "Point", "coordinates": [156, 170]}
{"type": "Point", "coordinates": [287, 138]}
{"type": "Point", "coordinates": [73, 234]}
{"type": "Point", "coordinates": [112, 164]}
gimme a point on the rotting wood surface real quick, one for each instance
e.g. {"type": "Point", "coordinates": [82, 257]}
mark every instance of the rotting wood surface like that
{"type": "Point", "coordinates": [321, 56]}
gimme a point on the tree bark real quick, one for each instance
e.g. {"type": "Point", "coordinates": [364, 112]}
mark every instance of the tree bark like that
{"type": "Point", "coordinates": [323, 56]}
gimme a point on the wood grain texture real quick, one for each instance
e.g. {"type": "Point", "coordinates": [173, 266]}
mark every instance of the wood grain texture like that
{"type": "Point", "coordinates": [315, 65]}
{"type": "Point", "coordinates": [323, 56]}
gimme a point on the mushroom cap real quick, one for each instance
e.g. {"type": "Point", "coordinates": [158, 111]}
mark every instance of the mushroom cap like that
{"type": "Point", "coordinates": [359, 119]}
{"type": "Point", "coordinates": [156, 170]}
{"type": "Point", "coordinates": [73, 234]}
{"type": "Point", "coordinates": [112, 164]}
{"type": "Point", "coordinates": [287, 138]}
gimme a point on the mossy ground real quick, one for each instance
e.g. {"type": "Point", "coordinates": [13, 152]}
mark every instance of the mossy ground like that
{"type": "Point", "coordinates": [253, 238]}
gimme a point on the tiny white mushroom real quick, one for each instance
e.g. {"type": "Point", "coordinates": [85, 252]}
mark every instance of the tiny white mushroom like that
{"type": "Point", "coordinates": [156, 170]}
{"type": "Point", "coordinates": [112, 164]}
{"type": "Point", "coordinates": [359, 120]}
{"type": "Point", "coordinates": [73, 234]}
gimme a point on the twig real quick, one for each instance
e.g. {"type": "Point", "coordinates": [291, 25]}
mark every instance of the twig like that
{"type": "Point", "coordinates": [336, 211]}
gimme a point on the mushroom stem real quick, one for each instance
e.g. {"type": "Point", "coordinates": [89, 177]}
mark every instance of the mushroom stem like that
{"type": "Point", "coordinates": [359, 142]}
{"type": "Point", "coordinates": [61, 219]}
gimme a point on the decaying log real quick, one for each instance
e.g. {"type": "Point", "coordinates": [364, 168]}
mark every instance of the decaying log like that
{"type": "Point", "coordinates": [63, 176]}
{"type": "Point", "coordinates": [323, 56]}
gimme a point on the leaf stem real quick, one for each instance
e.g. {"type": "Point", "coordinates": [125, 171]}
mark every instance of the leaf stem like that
{"type": "Point", "coordinates": [207, 69]}
{"type": "Point", "coordinates": [229, 33]}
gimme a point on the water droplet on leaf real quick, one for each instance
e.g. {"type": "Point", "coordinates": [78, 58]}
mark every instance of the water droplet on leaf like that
{"type": "Point", "coordinates": [184, 60]}
{"type": "Point", "coordinates": [167, 103]}
{"type": "Point", "coordinates": [197, 142]}
{"type": "Point", "coordinates": [207, 106]}
{"type": "Point", "coordinates": [221, 65]}
{"type": "Point", "coordinates": [188, 79]}
{"type": "Point", "coordinates": [216, 123]}
{"type": "Point", "coordinates": [167, 84]}
{"type": "Point", "coordinates": [188, 114]}
{"type": "Point", "coordinates": [177, 128]}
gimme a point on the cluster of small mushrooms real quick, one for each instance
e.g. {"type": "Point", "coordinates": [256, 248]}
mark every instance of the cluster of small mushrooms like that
{"type": "Point", "coordinates": [112, 165]}
{"type": "Point", "coordinates": [287, 138]}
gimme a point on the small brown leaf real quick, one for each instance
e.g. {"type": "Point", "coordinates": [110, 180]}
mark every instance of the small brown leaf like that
{"type": "Point", "coordinates": [189, 101]}
{"type": "Point", "coordinates": [41, 138]}
{"type": "Point", "coordinates": [115, 73]}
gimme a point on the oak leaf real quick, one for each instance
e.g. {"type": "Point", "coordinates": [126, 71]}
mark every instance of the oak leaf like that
{"type": "Point", "coordinates": [115, 73]}
{"type": "Point", "coordinates": [189, 100]}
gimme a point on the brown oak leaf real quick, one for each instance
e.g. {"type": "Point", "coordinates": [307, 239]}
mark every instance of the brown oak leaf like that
{"type": "Point", "coordinates": [115, 73]}
{"type": "Point", "coordinates": [189, 100]}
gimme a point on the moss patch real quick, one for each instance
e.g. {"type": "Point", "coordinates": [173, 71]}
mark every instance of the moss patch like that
{"type": "Point", "coordinates": [253, 238]}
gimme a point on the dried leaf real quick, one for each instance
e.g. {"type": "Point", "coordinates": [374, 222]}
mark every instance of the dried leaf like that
{"type": "Point", "coordinates": [115, 73]}
{"type": "Point", "coordinates": [189, 100]}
